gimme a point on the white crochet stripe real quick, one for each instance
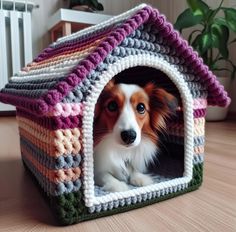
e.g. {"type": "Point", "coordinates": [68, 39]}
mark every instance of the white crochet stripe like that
{"type": "Point", "coordinates": [54, 71]}
{"type": "Point", "coordinates": [113, 20]}
{"type": "Point", "coordinates": [87, 127]}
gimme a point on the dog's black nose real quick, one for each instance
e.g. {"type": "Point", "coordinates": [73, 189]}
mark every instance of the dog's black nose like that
{"type": "Point", "coordinates": [128, 136]}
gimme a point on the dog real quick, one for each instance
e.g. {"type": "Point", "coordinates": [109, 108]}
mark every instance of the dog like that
{"type": "Point", "coordinates": [127, 118]}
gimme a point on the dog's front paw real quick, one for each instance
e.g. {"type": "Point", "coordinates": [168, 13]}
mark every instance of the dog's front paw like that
{"type": "Point", "coordinates": [139, 179]}
{"type": "Point", "coordinates": [119, 186]}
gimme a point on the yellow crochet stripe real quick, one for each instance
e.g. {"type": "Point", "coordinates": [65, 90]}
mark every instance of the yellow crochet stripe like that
{"type": "Point", "coordinates": [56, 176]}
{"type": "Point", "coordinates": [54, 143]}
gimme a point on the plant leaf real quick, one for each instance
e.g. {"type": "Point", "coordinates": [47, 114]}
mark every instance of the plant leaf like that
{"type": "Point", "coordinates": [200, 44]}
{"type": "Point", "coordinates": [230, 17]}
{"type": "Point", "coordinates": [220, 37]}
{"type": "Point", "coordinates": [187, 19]}
{"type": "Point", "coordinates": [94, 3]}
{"type": "Point", "coordinates": [198, 7]}
{"type": "Point", "coordinates": [220, 21]}
{"type": "Point", "coordinates": [205, 42]}
{"type": "Point", "coordinates": [100, 7]}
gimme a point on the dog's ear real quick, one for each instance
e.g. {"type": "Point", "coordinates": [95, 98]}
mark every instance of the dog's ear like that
{"type": "Point", "coordinates": [103, 95]}
{"type": "Point", "coordinates": [109, 85]}
{"type": "Point", "coordinates": [162, 104]}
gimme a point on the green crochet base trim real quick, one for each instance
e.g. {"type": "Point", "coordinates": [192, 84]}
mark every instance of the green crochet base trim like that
{"type": "Point", "coordinates": [69, 208]}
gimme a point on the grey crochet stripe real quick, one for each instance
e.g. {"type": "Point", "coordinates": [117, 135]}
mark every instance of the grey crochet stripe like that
{"type": "Point", "coordinates": [31, 89]}
{"type": "Point", "coordinates": [150, 33]}
{"type": "Point", "coordinates": [198, 93]}
{"type": "Point", "coordinates": [60, 162]}
{"type": "Point", "coordinates": [44, 85]}
{"type": "Point", "coordinates": [25, 93]}
{"type": "Point", "coordinates": [38, 81]}
{"type": "Point", "coordinates": [136, 199]}
{"type": "Point", "coordinates": [82, 90]}
{"type": "Point", "coordinates": [198, 159]}
{"type": "Point", "coordinates": [49, 187]}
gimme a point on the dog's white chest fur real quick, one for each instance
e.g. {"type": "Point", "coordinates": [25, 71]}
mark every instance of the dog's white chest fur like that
{"type": "Point", "coordinates": [116, 165]}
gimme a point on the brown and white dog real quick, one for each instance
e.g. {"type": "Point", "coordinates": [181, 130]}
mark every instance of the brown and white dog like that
{"type": "Point", "coordinates": [127, 118]}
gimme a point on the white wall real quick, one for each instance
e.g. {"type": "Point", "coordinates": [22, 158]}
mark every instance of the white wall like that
{"type": "Point", "coordinates": [171, 8]}
{"type": "Point", "coordinates": [40, 18]}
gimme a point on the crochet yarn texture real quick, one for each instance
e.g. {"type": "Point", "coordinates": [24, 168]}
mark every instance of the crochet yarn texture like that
{"type": "Point", "coordinates": [55, 96]}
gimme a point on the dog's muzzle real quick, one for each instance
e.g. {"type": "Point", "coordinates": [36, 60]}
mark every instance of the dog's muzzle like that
{"type": "Point", "coordinates": [128, 136]}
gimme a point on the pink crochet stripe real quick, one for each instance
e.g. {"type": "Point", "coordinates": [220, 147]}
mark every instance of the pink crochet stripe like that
{"type": "Point", "coordinates": [199, 103]}
{"type": "Point", "coordinates": [66, 109]}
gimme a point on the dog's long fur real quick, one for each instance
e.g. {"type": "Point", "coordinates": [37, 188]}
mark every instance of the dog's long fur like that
{"type": "Point", "coordinates": [118, 163]}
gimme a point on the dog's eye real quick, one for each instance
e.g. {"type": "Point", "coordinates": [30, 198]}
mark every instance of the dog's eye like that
{"type": "Point", "coordinates": [141, 108]}
{"type": "Point", "coordinates": [112, 106]}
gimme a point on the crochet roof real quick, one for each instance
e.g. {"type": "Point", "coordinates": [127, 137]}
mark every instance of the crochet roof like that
{"type": "Point", "coordinates": [51, 76]}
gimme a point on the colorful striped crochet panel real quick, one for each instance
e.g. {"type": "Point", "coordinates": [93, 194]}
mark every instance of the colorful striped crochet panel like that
{"type": "Point", "coordinates": [56, 94]}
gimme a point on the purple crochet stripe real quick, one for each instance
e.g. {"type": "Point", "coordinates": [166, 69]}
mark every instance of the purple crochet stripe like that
{"type": "Point", "coordinates": [53, 123]}
{"type": "Point", "coordinates": [199, 113]}
{"type": "Point", "coordinates": [217, 95]}
{"type": "Point", "coordinates": [36, 106]}
{"type": "Point", "coordinates": [67, 46]}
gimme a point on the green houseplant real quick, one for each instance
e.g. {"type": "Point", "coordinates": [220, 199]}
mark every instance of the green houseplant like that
{"type": "Point", "coordinates": [212, 30]}
{"type": "Point", "coordinates": [88, 5]}
{"type": "Point", "coordinates": [211, 37]}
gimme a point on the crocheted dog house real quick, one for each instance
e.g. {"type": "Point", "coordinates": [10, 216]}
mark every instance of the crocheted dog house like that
{"type": "Point", "coordinates": [55, 97]}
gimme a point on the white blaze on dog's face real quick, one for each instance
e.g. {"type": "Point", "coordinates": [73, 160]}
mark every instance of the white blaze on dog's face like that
{"type": "Point", "coordinates": [127, 129]}
{"type": "Point", "coordinates": [123, 113]}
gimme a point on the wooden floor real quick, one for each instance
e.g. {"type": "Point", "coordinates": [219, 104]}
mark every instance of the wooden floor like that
{"type": "Point", "coordinates": [211, 208]}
